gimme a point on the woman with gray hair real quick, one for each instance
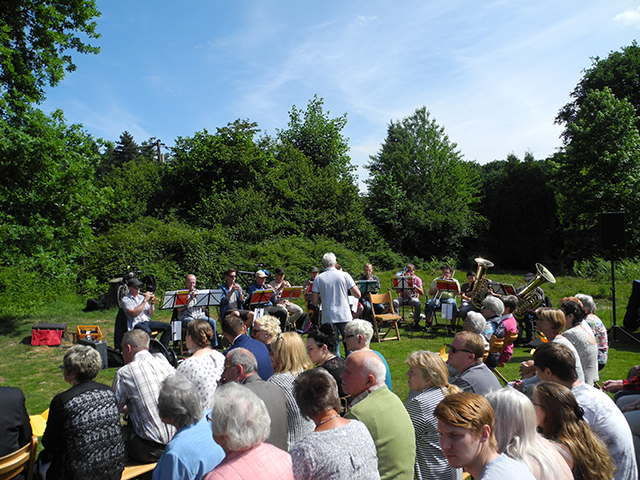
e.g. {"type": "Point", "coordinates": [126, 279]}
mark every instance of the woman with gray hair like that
{"type": "Point", "coordinates": [240, 424]}
{"type": "Point", "coordinates": [191, 453]}
{"type": "Point", "coordinates": [359, 335]}
{"type": "Point", "coordinates": [83, 438]}
{"type": "Point", "coordinates": [475, 322]}
{"type": "Point", "coordinates": [338, 448]}
{"type": "Point", "coordinates": [599, 330]}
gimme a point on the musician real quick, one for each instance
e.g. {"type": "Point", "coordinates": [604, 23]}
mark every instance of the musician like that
{"type": "Point", "coordinates": [444, 297]}
{"type": "Point", "coordinates": [366, 297]}
{"type": "Point", "coordinates": [411, 296]}
{"type": "Point", "coordinates": [530, 317]}
{"type": "Point", "coordinates": [190, 312]}
{"type": "Point", "coordinates": [314, 310]}
{"type": "Point", "coordinates": [278, 286]}
{"type": "Point", "coordinates": [467, 293]}
{"type": "Point", "coordinates": [139, 309]}
{"type": "Point", "coordinates": [269, 304]}
{"type": "Point", "coordinates": [233, 298]}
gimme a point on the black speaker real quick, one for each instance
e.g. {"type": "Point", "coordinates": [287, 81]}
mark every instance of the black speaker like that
{"type": "Point", "coordinates": [611, 229]}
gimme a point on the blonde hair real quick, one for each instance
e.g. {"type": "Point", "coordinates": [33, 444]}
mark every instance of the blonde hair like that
{"type": "Point", "coordinates": [290, 354]}
{"type": "Point", "coordinates": [269, 324]}
{"type": "Point", "coordinates": [433, 369]}
{"type": "Point", "coordinates": [554, 316]}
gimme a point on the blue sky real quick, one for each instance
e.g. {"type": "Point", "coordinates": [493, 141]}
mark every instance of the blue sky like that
{"type": "Point", "coordinates": [493, 73]}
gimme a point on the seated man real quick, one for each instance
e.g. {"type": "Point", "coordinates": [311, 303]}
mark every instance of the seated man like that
{"type": "Point", "coordinates": [233, 298]}
{"type": "Point", "coordinates": [466, 430]}
{"type": "Point", "coordinates": [241, 367]}
{"type": "Point", "coordinates": [278, 285]}
{"type": "Point", "coordinates": [465, 355]}
{"type": "Point", "coordinates": [137, 386]}
{"type": "Point", "coordinates": [139, 308]}
{"type": "Point", "coordinates": [313, 309]}
{"type": "Point", "coordinates": [555, 362]}
{"type": "Point", "coordinates": [235, 331]}
{"type": "Point", "coordinates": [190, 312]}
{"type": "Point", "coordinates": [15, 427]}
{"type": "Point", "coordinates": [382, 412]}
{"type": "Point", "coordinates": [411, 297]}
{"type": "Point", "coordinates": [366, 297]}
{"type": "Point", "coordinates": [268, 304]}
{"type": "Point", "coordinates": [192, 451]}
{"type": "Point", "coordinates": [445, 297]}
{"type": "Point", "coordinates": [466, 294]}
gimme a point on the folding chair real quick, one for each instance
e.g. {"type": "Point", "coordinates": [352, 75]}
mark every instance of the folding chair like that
{"type": "Point", "coordinates": [509, 338]}
{"type": "Point", "coordinates": [388, 316]}
{"type": "Point", "coordinates": [21, 460]}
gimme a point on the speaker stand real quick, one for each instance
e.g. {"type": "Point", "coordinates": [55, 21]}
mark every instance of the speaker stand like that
{"type": "Point", "coordinates": [615, 329]}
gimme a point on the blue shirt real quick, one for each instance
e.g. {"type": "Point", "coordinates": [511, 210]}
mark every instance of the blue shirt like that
{"type": "Point", "coordinates": [191, 453]}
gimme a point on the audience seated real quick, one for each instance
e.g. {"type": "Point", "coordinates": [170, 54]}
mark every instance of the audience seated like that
{"type": "Point", "coordinates": [235, 331]}
{"type": "Point", "coordinates": [579, 333]}
{"type": "Point", "coordinates": [321, 348]}
{"type": "Point", "coordinates": [240, 424]}
{"type": "Point", "coordinates": [15, 427]}
{"type": "Point", "coordinates": [517, 437]}
{"type": "Point", "coordinates": [465, 355]}
{"type": "Point", "coordinates": [265, 329]}
{"type": "Point", "coordinates": [382, 412]}
{"type": "Point", "coordinates": [555, 363]}
{"type": "Point", "coordinates": [492, 310]}
{"type": "Point", "coordinates": [83, 438]}
{"type": "Point", "coordinates": [599, 330]}
{"type": "Point", "coordinates": [359, 335]}
{"type": "Point", "coordinates": [191, 453]}
{"type": "Point", "coordinates": [428, 381]}
{"type": "Point", "coordinates": [190, 312]}
{"type": "Point", "coordinates": [467, 438]}
{"type": "Point", "coordinates": [476, 323]}
{"type": "Point", "coordinates": [205, 366]}
{"type": "Point", "coordinates": [289, 359]}
{"type": "Point", "coordinates": [137, 385]}
{"type": "Point", "coordinates": [510, 324]}
{"type": "Point", "coordinates": [560, 419]}
{"type": "Point", "coordinates": [139, 309]}
{"type": "Point", "coordinates": [338, 448]}
{"type": "Point", "coordinates": [242, 367]}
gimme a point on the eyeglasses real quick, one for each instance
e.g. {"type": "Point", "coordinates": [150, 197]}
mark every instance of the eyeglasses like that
{"type": "Point", "coordinates": [349, 336]}
{"type": "Point", "coordinates": [232, 276]}
{"type": "Point", "coordinates": [208, 417]}
{"type": "Point", "coordinates": [453, 349]}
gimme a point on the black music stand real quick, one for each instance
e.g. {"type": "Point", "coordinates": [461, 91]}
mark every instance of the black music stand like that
{"type": "Point", "coordinates": [402, 284]}
{"type": "Point", "coordinates": [180, 298]}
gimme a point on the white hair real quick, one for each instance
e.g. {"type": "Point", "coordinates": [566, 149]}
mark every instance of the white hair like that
{"type": "Point", "coordinates": [588, 303]}
{"type": "Point", "coordinates": [360, 327]}
{"type": "Point", "coordinates": [373, 365]}
{"type": "Point", "coordinates": [494, 304]}
{"type": "Point", "coordinates": [329, 260]}
{"type": "Point", "coordinates": [477, 322]}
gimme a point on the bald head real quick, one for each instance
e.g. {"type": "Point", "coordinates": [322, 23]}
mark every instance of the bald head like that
{"type": "Point", "coordinates": [363, 369]}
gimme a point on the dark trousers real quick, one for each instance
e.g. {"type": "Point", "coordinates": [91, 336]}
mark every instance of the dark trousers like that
{"type": "Point", "coordinates": [163, 327]}
{"type": "Point", "coordinates": [140, 449]}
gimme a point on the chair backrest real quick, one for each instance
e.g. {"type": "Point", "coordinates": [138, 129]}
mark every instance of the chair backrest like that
{"type": "Point", "coordinates": [20, 460]}
{"type": "Point", "coordinates": [378, 298]}
{"type": "Point", "coordinates": [509, 338]}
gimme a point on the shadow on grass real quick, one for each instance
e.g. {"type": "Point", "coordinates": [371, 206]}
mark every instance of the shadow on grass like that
{"type": "Point", "coordinates": [11, 325]}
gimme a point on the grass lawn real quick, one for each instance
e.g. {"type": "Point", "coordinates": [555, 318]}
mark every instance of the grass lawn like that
{"type": "Point", "coordinates": [36, 369]}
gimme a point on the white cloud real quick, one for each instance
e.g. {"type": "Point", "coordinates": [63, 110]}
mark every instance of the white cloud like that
{"type": "Point", "coordinates": [630, 17]}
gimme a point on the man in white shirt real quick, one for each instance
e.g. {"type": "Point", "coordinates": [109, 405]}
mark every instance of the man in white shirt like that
{"type": "Point", "coordinates": [139, 308]}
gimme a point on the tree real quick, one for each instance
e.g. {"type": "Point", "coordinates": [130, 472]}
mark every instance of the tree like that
{"type": "Point", "coordinates": [598, 170]}
{"type": "Point", "coordinates": [319, 137]}
{"type": "Point", "coordinates": [420, 191]}
{"type": "Point", "coordinates": [34, 38]}
{"type": "Point", "coordinates": [620, 72]}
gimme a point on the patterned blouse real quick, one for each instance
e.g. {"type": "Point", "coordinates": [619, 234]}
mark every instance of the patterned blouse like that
{"type": "Point", "coordinates": [600, 332]}
{"type": "Point", "coordinates": [204, 371]}
{"type": "Point", "coordinates": [298, 426]}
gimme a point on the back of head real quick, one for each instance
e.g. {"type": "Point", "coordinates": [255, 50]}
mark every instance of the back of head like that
{"type": "Point", "coordinates": [372, 365]}
{"type": "Point", "coordinates": [244, 358]}
{"type": "Point", "coordinates": [179, 401]}
{"type": "Point", "coordinates": [137, 339]}
{"type": "Point", "coordinates": [329, 260]}
{"type": "Point", "coordinates": [510, 302]}
{"type": "Point", "coordinates": [558, 358]}
{"type": "Point", "coordinates": [477, 322]}
{"type": "Point", "coordinates": [232, 325]}
{"type": "Point", "coordinates": [469, 411]}
{"type": "Point", "coordinates": [554, 316]}
{"type": "Point", "coordinates": [269, 324]}
{"type": "Point", "coordinates": [360, 327]}
{"type": "Point", "coordinates": [472, 342]}
{"type": "Point", "coordinates": [316, 392]}
{"type": "Point", "coordinates": [494, 304]}
{"type": "Point", "coordinates": [200, 332]}
{"type": "Point", "coordinates": [84, 361]}
{"type": "Point", "coordinates": [588, 303]}
{"type": "Point", "coordinates": [575, 308]}
{"type": "Point", "coordinates": [432, 368]}
{"type": "Point", "coordinates": [289, 354]}
{"type": "Point", "coordinates": [241, 416]}
{"type": "Point", "coordinates": [325, 335]}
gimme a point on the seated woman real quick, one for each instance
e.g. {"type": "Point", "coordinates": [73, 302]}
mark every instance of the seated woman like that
{"type": "Point", "coordinates": [517, 437]}
{"type": "Point", "coordinates": [240, 424]}
{"type": "Point", "coordinates": [598, 328]}
{"type": "Point", "coordinates": [428, 379]}
{"type": "Point", "coordinates": [265, 329]}
{"type": "Point", "coordinates": [205, 366]}
{"type": "Point", "coordinates": [579, 333]}
{"type": "Point", "coordinates": [289, 359]}
{"type": "Point", "coordinates": [560, 418]}
{"type": "Point", "coordinates": [191, 453]}
{"type": "Point", "coordinates": [83, 438]}
{"type": "Point", "coordinates": [338, 448]}
{"type": "Point", "coordinates": [321, 348]}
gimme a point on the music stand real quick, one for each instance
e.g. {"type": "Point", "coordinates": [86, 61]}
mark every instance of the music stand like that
{"type": "Point", "coordinates": [402, 284]}
{"type": "Point", "coordinates": [445, 285]}
{"type": "Point", "coordinates": [291, 293]}
{"type": "Point", "coordinates": [367, 286]}
{"type": "Point", "coordinates": [180, 298]}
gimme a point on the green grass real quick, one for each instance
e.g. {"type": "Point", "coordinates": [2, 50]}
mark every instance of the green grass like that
{"type": "Point", "coordinates": [35, 369]}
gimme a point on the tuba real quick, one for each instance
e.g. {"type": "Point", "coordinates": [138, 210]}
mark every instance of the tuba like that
{"type": "Point", "coordinates": [481, 286]}
{"type": "Point", "coordinates": [529, 299]}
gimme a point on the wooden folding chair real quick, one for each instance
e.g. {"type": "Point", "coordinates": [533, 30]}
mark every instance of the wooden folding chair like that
{"type": "Point", "coordinates": [509, 338]}
{"type": "Point", "coordinates": [388, 316]}
{"type": "Point", "coordinates": [21, 460]}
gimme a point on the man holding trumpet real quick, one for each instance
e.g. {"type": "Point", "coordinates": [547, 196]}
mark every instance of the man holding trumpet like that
{"type": "Point", "coordinates": [139, 309]}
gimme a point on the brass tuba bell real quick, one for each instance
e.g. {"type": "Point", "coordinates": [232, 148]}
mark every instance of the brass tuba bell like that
{"type": "Point", "coordinates": [481, 286]}
{"type": "Point", "coordinates": [529, 298]}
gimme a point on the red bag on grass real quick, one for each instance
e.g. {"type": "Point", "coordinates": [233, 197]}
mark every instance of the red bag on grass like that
{"type": "Point", "coordinates": [49, 334]}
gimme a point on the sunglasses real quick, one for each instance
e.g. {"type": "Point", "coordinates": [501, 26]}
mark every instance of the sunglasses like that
{"type": "Point", "coordinates": [453, 349]}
